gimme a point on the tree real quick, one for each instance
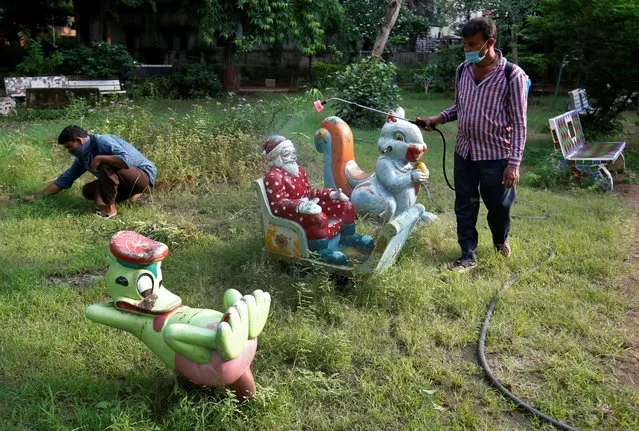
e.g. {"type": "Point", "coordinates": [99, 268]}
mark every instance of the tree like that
{"type": "Point", "coordinates": [601, 38]}
{"type": "Point", "coordinates": [514, 12]}
{"type": "Point", "coordinates": [245, 24]}
{"type": "Point", "coordinates": [392, 12]}
{"type": "Point", "coordinates": [32, 17]}
{"type": "Point", "coordinates": [364, 18]}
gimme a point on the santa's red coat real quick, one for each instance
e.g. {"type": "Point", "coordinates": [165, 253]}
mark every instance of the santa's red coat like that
{"type": "Point", "coordinates": [285, 192]}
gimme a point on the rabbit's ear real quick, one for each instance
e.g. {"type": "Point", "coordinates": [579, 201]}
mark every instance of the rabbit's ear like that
{"type": "Point", "coordinates": [399, 112]}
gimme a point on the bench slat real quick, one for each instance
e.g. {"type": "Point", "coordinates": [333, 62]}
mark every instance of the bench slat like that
{"type": "Point", "coordinates": [73, 83]}
{"type": "Point", "coordinates": [102, 88]}
{"type": "Point", "coordinates": [603, 151]}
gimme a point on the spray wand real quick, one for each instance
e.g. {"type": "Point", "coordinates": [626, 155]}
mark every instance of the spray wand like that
{"type": "Point", "coordinates": [319, 106]}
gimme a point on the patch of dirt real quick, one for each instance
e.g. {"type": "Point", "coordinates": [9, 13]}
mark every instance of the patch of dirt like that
{"type": "Point", "coordinates": [79, 282]}
{"type": "Point", "coordinates": [626, 367]}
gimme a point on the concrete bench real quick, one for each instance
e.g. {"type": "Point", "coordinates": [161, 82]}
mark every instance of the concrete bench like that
{"type": "Point", "coordinates": [58, 97]}
{"type": "Point", "coordinates": [16, 86]}
{"type": "Point", "coordinates": [587, 160]}
{"type": "Point", "coordinates": [106, 86]}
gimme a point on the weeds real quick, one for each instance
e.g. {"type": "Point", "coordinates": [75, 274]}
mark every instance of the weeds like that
{"type": "Point", "coordinates": [391, 352]}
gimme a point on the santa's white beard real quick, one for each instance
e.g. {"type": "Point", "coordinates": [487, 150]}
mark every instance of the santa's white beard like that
{"type": "Point", "coordinates": [291, 168]}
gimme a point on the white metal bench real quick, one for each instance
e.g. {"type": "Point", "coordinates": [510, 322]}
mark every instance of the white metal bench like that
{"type": "Point", "coordinates": [587, 159]}
{"type": "Point", "coordinates": [579, 101]}
{"type": "Point", "coordinates": [106, 86]}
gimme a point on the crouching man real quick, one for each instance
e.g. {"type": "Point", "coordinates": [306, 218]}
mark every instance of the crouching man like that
{"type": "Point", "coordinates": [122, 172]}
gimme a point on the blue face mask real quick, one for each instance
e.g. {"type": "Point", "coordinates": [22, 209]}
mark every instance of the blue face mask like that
{"type": "Point", "coordinates": [474, 57]}
{"type": "Point", "coordinates": [80, 149]}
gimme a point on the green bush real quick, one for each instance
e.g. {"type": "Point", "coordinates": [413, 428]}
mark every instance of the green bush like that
{"type": "Point", "coordinates": [323, 74]}
{"type": "Point", "coordinates": [442, 72]}
{"type": "Point", "coordinates": [153, 87]}
{"type": "Point", "coordinates": [371, 82]}
{"type": "Point", "coordinates": [550, 173]}
{"type": "Point", "coordinates": [189, 149]}
{"type": "Point", "coordinates": [99, 60]}
{"type": "Point", "coordinates": [196, 81]}
{"type": "Point", "coordinates": [37, 63]}
{"type": "Point", "coordinates": [534, 65]}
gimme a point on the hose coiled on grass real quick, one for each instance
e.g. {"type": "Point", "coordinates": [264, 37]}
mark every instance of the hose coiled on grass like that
{"type": "Point", "coordinates": [486, 368]}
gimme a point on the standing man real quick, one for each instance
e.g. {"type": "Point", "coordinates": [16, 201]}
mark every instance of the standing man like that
{"type": "Point", "coordinates": [490, 106]}
{"type": "Point", "coordinates": [122, 171]}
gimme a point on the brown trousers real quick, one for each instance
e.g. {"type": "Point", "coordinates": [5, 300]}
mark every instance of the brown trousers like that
{"type": "Point", "coordinates": [115, 185]}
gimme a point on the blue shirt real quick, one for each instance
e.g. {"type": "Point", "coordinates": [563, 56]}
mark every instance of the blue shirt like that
{"type": "Point", "coordinates": [106, 145]}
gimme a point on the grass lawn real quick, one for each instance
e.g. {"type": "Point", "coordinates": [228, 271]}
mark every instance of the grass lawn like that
{"type": "Point", "coordinates": [395, 352]}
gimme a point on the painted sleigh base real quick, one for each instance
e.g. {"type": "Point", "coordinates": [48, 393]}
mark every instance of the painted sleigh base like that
{"type": "Point", "coordinates": [286, 240]}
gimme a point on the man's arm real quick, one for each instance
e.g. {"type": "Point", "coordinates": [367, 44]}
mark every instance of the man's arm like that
{"type": "Point", "coordinates": [50, 189]}
{"type": "Point", "coordinates": [112, 153]}
{"type": "Point", "coordinates": [114, 161]}
{"type": "Point", "coordinates": [517, 108]}
{"type": "Point", "coordinates": [64, 181]}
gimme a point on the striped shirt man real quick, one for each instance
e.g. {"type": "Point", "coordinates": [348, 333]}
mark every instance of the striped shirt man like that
{"type": "Point", "coordinates": [491, 114]}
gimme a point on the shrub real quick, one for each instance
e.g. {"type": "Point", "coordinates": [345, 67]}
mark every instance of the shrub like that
{"type": "Point", "coordinates": [196, 81]}
{"type": "Point", "coordinates": [534, 65]}
{"type": "Point", "coordinates": [153, 87]}
{"type": "Point", "coordinates": [550, 173]}
{"type": "Point", "coordinates": [99, 60]}
{"type": "Point", "coordinates": [371, 82]}
{"type": "Point", "coordinates": [323, 74]}
{"type": "Point", "coordinates": [442, 71]}
{"type": "Point", "coordinates": [37, 63]}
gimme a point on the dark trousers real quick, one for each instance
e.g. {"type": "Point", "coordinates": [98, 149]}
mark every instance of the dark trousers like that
{"type": "Point", "coordinates": [115, 185]}
{"type": "Point", "coordinates": [484, 177]}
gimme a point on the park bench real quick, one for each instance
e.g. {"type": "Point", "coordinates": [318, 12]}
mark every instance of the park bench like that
{"type": "Point", "coordinates": [16, 86]}
{"type": "Point", "coordinates": [106, 86]}
{"type": "Point", "coordinates": [579, 102]}
{"type": "Point", "coordinates": [587, 161]}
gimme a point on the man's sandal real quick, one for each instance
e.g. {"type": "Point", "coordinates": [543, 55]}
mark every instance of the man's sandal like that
{"type": "Point", "coordinates": [105, 215]}
{"type": "Point", "coordinates": [463, 265]}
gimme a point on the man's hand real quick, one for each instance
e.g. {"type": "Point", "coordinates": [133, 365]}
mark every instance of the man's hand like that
{"type": "Point", "coordinates": [418, 176]}
{"type": "Point", "coordinates": [511, 177]}
{"type": "Point", "coordinates": [95, 163]}
{"type": "Point", "coordinates": [28, 198]}
{"type": "Point", "coordinates": [309, 207]}
{"type": "Point", "coordinates": [429, 122]}
{"type": "Point", "coordinates": [338, 195]}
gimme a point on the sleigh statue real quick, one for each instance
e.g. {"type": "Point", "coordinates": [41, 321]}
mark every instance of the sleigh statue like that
{"type": "Point", "coordinates": [300, 224]}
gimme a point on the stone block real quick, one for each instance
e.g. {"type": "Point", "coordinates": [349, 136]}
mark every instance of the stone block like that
{"type": "Point", "coordinates": [58, 97]}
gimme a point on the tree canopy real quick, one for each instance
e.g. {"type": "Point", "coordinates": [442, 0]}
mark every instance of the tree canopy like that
{"type": "Point", "coordinates": [31, 16]}
{"type": "Point", "coordinates": [599, 39]}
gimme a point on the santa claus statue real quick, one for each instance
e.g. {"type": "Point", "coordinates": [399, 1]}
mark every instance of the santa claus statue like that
{"type": "Point", "coordinates": [327, 215]}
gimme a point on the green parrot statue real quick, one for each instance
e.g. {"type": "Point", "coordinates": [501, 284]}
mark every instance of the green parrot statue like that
{"type": "Point", "coordinates": [207, 347]}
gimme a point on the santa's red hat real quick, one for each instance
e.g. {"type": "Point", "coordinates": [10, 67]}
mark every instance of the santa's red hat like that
{"type": "Point", "coordinates": [273, 147]}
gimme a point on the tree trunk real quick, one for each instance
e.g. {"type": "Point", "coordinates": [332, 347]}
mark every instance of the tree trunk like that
{"type": "Point", "coordinates": [392, 12]}
{"type": "Point", "coordinates": [107, 15]}
{"type": "Point", "coordinates": [514, 42]}
{"type": "Point", "coordinates": [230, 73]}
